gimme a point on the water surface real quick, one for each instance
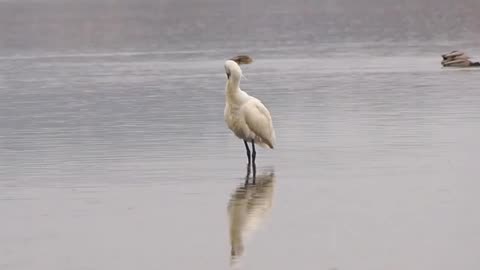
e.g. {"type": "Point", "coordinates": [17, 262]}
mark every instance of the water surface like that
{"type": "Point", "coordinates": [114, 153]}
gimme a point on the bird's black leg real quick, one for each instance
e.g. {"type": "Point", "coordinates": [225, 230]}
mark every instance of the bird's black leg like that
{"type": "Point", "coordinates": [248, 153]}
{"type": "Point", "coordinates": [254, 153]}
{"type": "Point", "coordinates": [254, 166]}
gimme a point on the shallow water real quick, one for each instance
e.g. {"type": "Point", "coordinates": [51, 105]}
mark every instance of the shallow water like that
{"type": "Point", "coordinates": [114, 153]}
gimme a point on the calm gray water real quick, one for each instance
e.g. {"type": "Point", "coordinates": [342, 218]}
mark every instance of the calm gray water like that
{"type": "Point", "coordinates": [114, 153]}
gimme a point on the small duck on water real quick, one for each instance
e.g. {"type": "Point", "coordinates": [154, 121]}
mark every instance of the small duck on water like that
{"type": "Point", "coordinates": [458, 59]}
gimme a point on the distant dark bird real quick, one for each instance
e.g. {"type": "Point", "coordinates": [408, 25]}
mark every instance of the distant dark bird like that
{"type": "Point", "coordinates": [457, 59]}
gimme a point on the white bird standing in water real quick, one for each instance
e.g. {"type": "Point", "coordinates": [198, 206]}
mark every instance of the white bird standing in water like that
{"type": "Point", "coordinates": [246, 116]}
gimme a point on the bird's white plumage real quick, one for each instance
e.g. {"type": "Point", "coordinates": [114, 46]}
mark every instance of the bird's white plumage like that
{"type": "Point", "coordinates": [246, 116]}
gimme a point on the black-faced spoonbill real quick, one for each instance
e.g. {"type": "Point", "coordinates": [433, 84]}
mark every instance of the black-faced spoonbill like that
{"type": "Point", "coordinates": [246, 116]}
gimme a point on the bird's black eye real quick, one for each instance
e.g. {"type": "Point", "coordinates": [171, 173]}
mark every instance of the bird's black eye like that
{"type": "Point", "coordinates": [228, 74]}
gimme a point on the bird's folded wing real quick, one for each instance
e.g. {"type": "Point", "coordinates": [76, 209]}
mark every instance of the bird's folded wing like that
{"type": "Point", "coordinates": [457, 62]}
{"type": "Point", "coordinates": [258, 119]}
{"type": "Point", "coordinates": [453, 54]}
{"type": "Point", "coordinates": [463, 56]}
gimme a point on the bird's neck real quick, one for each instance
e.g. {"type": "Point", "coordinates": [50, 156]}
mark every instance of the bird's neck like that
{"type": "Point", "coordinates": [234, 82]}
{"type": "Point", "coordinates": [233, 87]}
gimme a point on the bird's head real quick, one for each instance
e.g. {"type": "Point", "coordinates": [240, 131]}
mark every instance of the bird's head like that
{"type": "Point", "coordinates": [232, 66]}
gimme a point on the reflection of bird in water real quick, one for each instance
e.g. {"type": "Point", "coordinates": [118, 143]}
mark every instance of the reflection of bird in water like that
{"type": "Point", "coordinates": [247, 208]}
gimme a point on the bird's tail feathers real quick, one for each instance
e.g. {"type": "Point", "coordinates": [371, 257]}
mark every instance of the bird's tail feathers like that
{"type": "Point", "coordinates": [265, 143]}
